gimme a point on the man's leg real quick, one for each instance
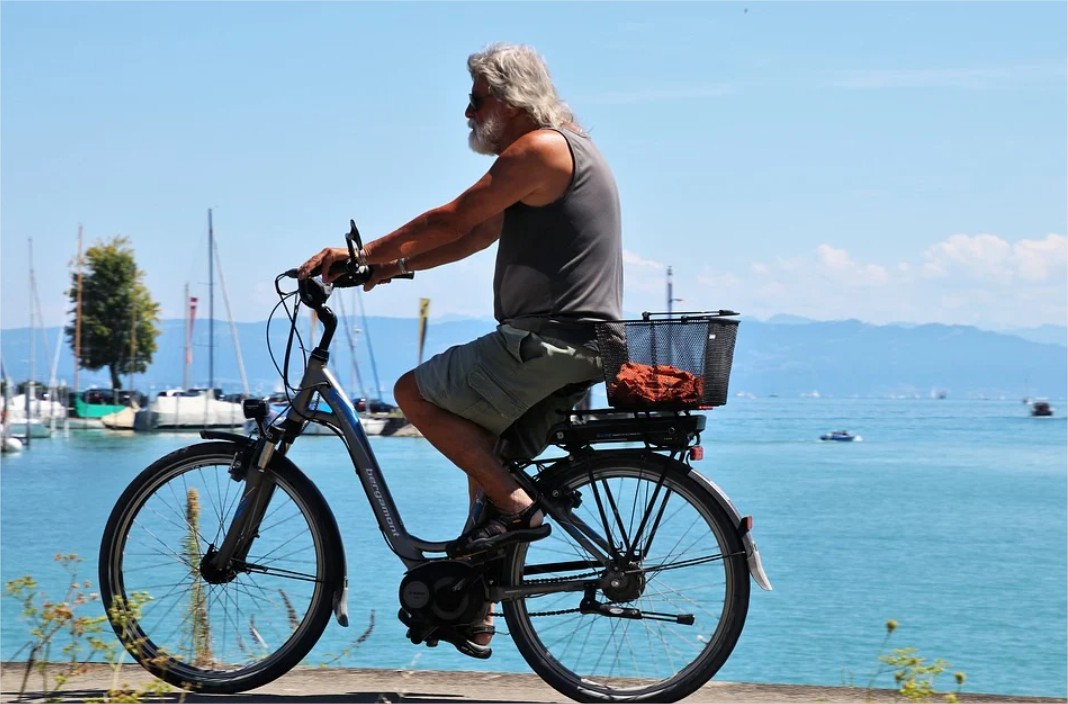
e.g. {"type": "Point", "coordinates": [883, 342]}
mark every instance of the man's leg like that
{"type": "Point", "coordinates": [466, 444]}
{"type": "Point", "coordinates": [469, 447]}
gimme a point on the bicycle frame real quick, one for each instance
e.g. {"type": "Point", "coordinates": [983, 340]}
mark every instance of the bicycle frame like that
{"type": "Point", "coordinates": [342, 417]}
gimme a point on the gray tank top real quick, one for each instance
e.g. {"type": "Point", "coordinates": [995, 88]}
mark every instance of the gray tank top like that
{"type": "Point", "coordinates": [560, 266]}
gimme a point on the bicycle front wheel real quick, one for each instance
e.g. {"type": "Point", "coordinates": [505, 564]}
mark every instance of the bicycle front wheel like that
{"type": "Point", "coordinates": [659, 621]}
{"type": "Point", "coordinates": [199, 629]}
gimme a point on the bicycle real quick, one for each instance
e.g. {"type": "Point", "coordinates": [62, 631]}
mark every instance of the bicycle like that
{"type": "Point", "coordinates": [221, 563]}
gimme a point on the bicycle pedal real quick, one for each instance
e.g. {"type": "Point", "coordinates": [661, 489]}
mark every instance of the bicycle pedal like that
{"type": "Point", "coordinates": [490, 546]}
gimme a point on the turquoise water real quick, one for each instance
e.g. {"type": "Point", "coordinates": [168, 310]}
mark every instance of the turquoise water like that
{"type": "Point", "coordinates": [949, 517]}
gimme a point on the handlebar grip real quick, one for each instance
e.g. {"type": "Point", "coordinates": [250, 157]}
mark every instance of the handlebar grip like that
{"type": "Point", "coordinates": [361, 276]}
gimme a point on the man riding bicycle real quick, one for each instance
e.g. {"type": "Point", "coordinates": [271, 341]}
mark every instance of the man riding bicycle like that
{"type": "Point", "coordinates": [551, 201]}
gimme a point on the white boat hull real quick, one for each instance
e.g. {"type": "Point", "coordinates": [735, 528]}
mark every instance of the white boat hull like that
{"type": "Point", "coordinates": [40, 410]}
{"type": "Point", "coordinates": [186, 411]}
{"type": "Point", "coordinates": [120, 420]}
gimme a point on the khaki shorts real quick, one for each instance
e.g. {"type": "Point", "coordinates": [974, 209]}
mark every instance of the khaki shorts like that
{"type": "Point", "coordinates": [508, 378]}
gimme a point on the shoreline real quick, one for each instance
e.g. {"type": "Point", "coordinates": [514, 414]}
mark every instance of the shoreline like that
{"type": "Point", "coordinates": [323, 684]}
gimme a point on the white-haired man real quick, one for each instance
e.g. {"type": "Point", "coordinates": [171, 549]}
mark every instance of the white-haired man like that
{"type": "Point", "coordinates": [550, 201]}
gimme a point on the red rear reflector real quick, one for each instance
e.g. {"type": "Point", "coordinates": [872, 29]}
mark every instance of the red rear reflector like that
{"type": "Point", "coordinates": [697, 453]}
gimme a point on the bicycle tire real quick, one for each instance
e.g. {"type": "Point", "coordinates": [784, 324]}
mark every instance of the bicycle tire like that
{"type": "Point", "coordinates": [225, 637]}
{"type": "Point", "coordinates": [594, 657]}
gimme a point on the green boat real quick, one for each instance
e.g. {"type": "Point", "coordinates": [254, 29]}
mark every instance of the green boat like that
{"type": "Point", "coordinates": [96, 403]}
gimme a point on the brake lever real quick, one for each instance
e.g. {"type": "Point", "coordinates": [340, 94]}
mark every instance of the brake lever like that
{"type": "Point", "coordinates": [356, 253]}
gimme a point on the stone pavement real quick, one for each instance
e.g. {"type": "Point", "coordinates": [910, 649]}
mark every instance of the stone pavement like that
{"type": "Point", "coordinates": [307, 685]}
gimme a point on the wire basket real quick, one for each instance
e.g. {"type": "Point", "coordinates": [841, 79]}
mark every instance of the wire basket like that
{"type": "Point", "coordinates": [673, 364]}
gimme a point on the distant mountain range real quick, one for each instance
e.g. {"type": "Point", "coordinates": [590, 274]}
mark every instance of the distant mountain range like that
{"type": "Point", "coordinates": [783, 356]}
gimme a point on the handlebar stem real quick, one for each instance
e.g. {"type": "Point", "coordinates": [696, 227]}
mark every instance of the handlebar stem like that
{"type": "Point", "coordinates": [329, 321]}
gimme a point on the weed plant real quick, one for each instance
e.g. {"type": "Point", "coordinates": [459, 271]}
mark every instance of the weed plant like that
{"type": "Point", "coordinates": [913, 675]}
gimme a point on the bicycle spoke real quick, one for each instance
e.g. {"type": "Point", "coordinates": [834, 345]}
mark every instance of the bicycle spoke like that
{"type": "Point", "coordinates": [660, 626]}
{"type": "Point", "coordinates": [214, 625]}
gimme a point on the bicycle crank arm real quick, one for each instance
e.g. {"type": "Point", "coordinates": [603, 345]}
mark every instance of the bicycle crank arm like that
{"type": "Point", "coordinates": [596, 607]}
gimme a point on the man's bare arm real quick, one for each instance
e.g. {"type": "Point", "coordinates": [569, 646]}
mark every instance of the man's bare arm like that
{"type": "Point", "coordinates": [536, 167]}
{"type": "Point", "coordinates": [482, 236]}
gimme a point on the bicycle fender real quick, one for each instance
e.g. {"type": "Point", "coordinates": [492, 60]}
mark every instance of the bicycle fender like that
{"type": "Point", "coordinates": [744, 524]}
{"type": "Point", "coordinates": [341, 590]}
{"type": "Point", "coordinates": [230, 437]}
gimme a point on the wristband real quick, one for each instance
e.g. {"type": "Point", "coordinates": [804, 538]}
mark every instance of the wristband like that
{"type": "Point", "coordinates": [402, 264]}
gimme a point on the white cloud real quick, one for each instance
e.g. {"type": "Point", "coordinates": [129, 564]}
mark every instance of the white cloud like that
{"type": "Point", "coordinates": [988, 258]}
{"type": "Point", "coordinates": [661, 95]}
{"type": "Point", "coordinates": [840, 265]}
{"type": "Point", "coordinates": [631, 259]}
{"type": "Point", "coordinates": [970, 78]}
{"type": "Point", "coordinates": [1041, 260]}
{"type": "Point", "coordinates": [981, 280]}
{"type": "Point", "coordinates": [982, 257]}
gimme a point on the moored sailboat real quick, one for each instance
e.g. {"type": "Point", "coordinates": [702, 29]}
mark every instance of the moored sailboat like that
{"type": "Point", "coordinates": [196, 408]}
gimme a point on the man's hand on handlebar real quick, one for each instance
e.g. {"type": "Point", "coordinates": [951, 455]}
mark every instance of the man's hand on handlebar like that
{"type": "Point", "coordinates": [329, 262]}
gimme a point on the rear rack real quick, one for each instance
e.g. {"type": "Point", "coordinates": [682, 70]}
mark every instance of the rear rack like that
{"type": "Point", "coordinates": [670, 429]}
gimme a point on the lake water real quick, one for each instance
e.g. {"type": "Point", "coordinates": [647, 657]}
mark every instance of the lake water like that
{"type": "Point", "coordinates": [949, 517]}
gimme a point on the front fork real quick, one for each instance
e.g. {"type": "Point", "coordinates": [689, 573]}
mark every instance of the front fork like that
{"type": "Point", "coordinates": [229, 558]}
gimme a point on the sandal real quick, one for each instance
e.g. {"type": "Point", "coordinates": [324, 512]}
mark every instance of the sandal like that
{"type": "Point", "coordinates": [499, 529]}
{"type": "Point", "coordinates": [461, 638]}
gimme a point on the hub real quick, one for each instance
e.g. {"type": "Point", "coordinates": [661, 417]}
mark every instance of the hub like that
{"type": "Point", "coordinates": [211, 573]}
{"type": "Point", "coordinates": [623, 583]}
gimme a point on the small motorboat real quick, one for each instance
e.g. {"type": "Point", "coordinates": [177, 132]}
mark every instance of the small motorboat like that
{"type": "Point", "coordinates": [839, 436]}
{"type": "Point", "coordinates": [1041, 409]}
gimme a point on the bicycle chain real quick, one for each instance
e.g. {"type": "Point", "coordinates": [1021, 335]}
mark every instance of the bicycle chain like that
{"type": "Point", "coordinates": [554, 580]}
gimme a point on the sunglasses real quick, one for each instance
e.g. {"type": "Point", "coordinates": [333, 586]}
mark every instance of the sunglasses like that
{"type": "Point", "coordinates": [474, 102]}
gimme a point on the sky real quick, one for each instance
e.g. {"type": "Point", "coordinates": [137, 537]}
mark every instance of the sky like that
{"type": "Point", "coordinates": [887, 162]}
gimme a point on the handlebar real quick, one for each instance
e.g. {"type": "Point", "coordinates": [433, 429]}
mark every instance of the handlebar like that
{"type": "Point", "coordinates": [354, 271]}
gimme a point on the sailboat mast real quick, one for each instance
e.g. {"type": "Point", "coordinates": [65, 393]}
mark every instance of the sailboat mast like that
{"type": "Point", "coordinates": [188, 357]}
{"type": "Point", "coordinates": [211, 304]}
{"type": "Point", "coordinates": [30, 390]}
{"type": "Point", "coordinates": [370, 350]}
{"type": "Point", "coordinates": [671, 300]}
{"type": "Point", "coordinates": [78, 315]}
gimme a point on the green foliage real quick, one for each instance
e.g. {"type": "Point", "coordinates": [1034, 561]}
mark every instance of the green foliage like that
{"type": "Point", "coordinates": [913, 675]}
{"type": "Point", "coordinates": [118, 316]}
{"type": "Point", "coordinates": [51, 622]}
{"type": "Point", "coordinates": [78, 637]}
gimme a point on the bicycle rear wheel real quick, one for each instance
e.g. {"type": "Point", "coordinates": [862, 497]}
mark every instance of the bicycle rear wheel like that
{"type": "Point", "coordinates": [217, 633]}
{"type": "Point", "coordinates": [661, 623]}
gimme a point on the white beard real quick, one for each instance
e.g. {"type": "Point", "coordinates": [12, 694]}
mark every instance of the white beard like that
{"type": "Point", "coordinates": [484, 137]}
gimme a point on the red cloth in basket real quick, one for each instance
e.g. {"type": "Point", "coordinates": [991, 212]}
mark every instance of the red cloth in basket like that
{"type": "Point", "coordinates": [642, 384]}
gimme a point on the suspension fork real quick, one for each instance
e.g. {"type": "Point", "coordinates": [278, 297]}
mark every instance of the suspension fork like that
{"type": "Point", "coordinates": [245, 526]}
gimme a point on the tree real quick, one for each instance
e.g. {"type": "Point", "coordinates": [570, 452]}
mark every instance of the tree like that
{"type": "Point", "coordinates": [118, 316]}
